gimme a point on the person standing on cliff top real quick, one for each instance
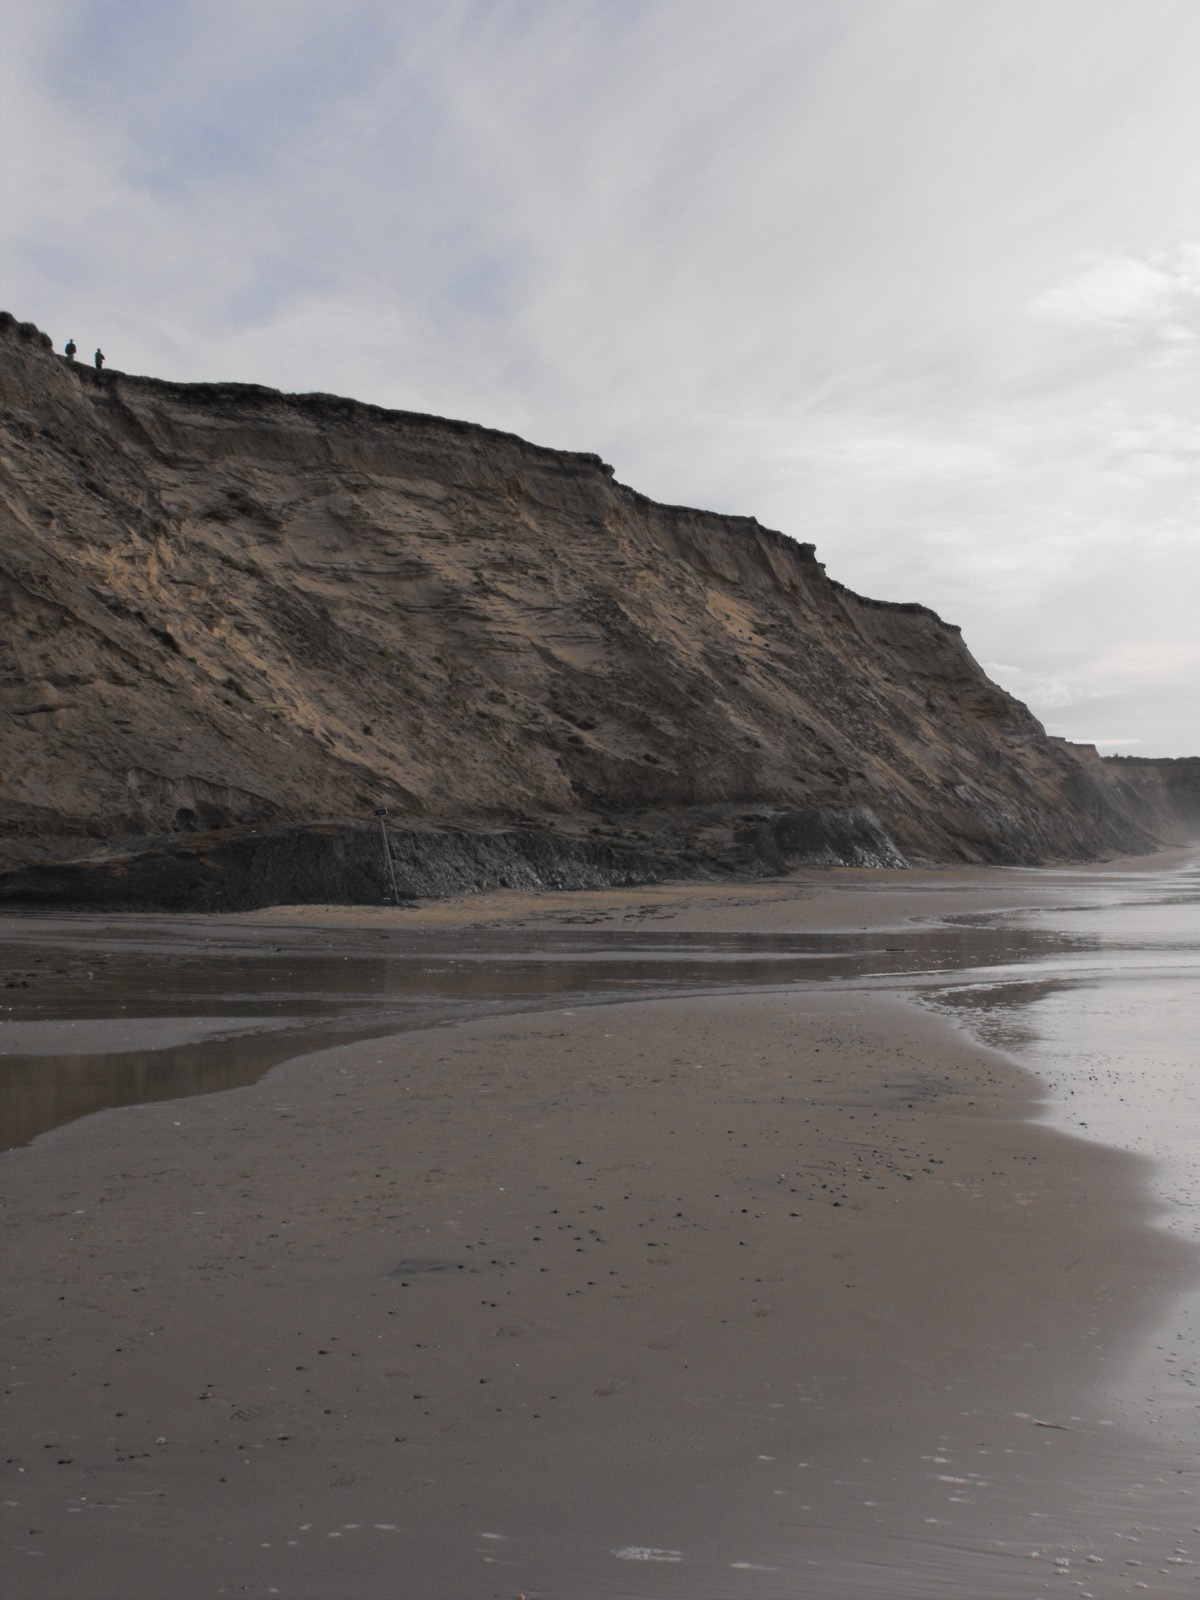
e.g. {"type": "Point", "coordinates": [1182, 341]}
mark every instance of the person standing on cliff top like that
{"type": "Point", "coordinates": [99, 359]}
{"type": "Point", "coordinates": [70, 347]}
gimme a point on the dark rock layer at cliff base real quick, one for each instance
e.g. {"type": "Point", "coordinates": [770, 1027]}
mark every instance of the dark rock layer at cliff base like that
{"type": "Point", "coordinates": [344, 864]}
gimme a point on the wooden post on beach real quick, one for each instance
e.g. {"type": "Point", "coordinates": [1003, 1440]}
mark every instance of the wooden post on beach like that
{"type": "Point", "coordinates": [381, 813]}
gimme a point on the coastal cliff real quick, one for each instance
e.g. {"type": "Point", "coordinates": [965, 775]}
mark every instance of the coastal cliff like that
{"type": "Point", "coordinates": [227, 608]}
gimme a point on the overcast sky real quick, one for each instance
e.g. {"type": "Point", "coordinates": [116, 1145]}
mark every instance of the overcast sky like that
{"type": "Point", "coordinates": [917, 280]}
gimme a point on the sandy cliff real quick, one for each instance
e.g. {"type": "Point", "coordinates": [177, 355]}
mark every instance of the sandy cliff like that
{"type": "Point", "coordinates": [227, 606]}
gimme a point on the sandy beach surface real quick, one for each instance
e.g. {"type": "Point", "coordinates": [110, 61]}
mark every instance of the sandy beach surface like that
{"type": "Point", "coordinates": [737, 1273]}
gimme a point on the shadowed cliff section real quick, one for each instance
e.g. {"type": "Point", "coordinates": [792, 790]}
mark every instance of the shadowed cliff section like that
{"type": "Point", "coordinates": [1163, 791]}
{"type": "Point", "coordinates": [228, 608]}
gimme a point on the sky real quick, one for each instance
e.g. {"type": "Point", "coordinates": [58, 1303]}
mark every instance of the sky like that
{"type": "Point", "coordinates": [917, 281]}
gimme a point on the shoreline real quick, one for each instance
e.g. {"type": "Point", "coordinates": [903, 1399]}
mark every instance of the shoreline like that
{"type": "Point", "coordinates": [764, 1293]}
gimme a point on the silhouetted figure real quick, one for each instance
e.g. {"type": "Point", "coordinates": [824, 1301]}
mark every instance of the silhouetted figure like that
{"type": "Point", "coordinates": [99, 359]}
{"type": "Point", "coordinates": [70, 347]}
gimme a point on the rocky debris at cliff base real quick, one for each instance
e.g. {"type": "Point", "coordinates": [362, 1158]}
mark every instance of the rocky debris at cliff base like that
{"type": "Point", "coordinates": [822, 837]}
{"type": "Point", "coordinates": [342, 863]}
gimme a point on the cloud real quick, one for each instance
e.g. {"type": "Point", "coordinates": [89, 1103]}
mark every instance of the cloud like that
{"type": "Point", "coordinates": [1114, 291]}
{"type": "Point", "coordinates": [1047, 693]}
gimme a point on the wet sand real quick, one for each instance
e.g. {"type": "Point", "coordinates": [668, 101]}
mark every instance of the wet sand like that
{"type": "Point", "coordinates": [766, 1293]}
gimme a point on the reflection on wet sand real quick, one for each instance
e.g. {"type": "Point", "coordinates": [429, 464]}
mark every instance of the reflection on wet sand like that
{"type": "Point", "coordinates": [320, 998]}
{"type": "Point", "coordinates": [43, 1092]}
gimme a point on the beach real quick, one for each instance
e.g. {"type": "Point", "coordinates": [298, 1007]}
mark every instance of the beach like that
{"type": "Point", "coordinates": [742, 1274]}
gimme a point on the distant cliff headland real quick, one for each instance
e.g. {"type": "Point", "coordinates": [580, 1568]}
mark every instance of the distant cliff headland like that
{"type": "Point", "coordinates": [235, 622]}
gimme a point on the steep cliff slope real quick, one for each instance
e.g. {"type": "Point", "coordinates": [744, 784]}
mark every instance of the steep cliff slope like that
{"type": "Point", "coordinates": [222, 605]}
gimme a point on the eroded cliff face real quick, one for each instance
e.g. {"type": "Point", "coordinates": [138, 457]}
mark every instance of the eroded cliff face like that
{"type": "Point", "coordinates": [223, 605]}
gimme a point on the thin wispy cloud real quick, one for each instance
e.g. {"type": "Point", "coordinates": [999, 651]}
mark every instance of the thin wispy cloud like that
{"type": "Point", "coordinates": [917, 281]}
{"type": "Point", "coordinates": [1121, 293]}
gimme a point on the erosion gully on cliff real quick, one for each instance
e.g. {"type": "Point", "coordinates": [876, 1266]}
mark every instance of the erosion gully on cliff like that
{"type": "Point", "coordinates": [230, 612]}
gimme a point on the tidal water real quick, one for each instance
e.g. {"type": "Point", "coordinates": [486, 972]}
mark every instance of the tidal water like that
{"type": "Point", "coordinates": [1109, 1020]}
{"type": "Point", "coordinates": [1110, 1024]}
{"type": "Point", "coordinates": [98, 1012]}
{"type": "Point", "coordinates": [1091, 979]}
